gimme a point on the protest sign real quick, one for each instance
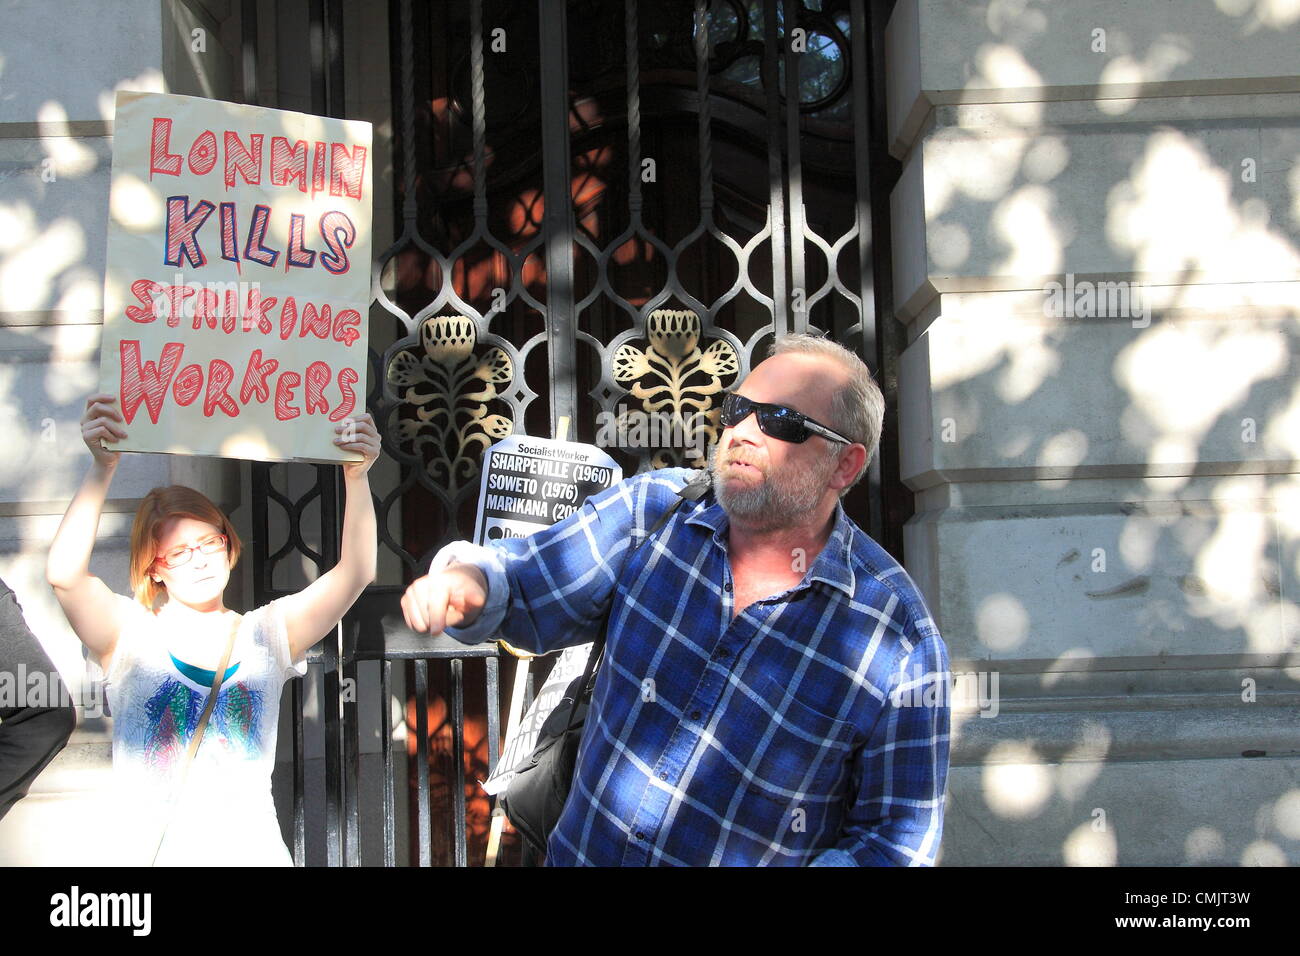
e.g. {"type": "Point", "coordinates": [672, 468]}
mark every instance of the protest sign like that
{"type": "Point", "coordinates": [529, 484]}
{"type": "Point", "coordinates": [237, 286]}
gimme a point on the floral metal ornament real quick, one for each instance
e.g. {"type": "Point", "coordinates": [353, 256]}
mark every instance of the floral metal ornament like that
{"type": "Point", "coordinates": [450, 388]}
{"type": "Point", "coordinates": [679, 387]}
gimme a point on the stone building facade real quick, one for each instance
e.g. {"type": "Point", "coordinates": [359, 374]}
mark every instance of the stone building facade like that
{"type": "Point", "coordinates": [1094, 229]}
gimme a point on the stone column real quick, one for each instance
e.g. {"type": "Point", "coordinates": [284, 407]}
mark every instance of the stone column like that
{"type": "Point", "coordinates": [1096, 240]}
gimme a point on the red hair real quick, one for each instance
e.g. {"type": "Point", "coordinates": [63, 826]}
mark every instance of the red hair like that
{"type": "Point", "coordinates": [160, 506]}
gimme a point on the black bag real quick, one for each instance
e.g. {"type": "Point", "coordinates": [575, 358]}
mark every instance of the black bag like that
{"type": "Point", "coordinates": [536, 795]}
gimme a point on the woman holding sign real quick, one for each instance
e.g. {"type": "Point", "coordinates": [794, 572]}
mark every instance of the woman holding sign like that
{"type": "Point", "coordinates": [162, 653]}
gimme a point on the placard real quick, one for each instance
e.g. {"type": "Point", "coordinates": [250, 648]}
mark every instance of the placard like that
{"type": "Point", "coordinates": [529, 484]}
{"type": "Point", "coordinates": [237, 287]}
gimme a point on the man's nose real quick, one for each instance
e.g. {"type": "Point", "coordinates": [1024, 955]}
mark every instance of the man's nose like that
{"type": "Point", "coordinates": [747, 430]}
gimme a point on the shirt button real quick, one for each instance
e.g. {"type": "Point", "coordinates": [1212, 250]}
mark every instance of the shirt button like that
{"type": "Point", "coordinates": [663, 775]}
{"type": "Point", "coordinates": [727, 587]}
{"type": "Point", "coordinates": [695, 715]}
{"type": "Point", "coordinates": [640, 835]}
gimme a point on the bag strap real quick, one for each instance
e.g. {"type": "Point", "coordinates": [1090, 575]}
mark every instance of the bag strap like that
{"type": "Point", "coordinates": [218, 679]}
{"type": "Point", "coordinates": [691, 491]}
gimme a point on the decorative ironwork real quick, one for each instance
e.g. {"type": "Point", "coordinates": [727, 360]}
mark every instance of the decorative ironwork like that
{"type": "Point", "coordinates": [684, 384]}
{"type": "Point", "coordinates": [654, 296]}
{"type": "Point", "coordinates": [449, 388]}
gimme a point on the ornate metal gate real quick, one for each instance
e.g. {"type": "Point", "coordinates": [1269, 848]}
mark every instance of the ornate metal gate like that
{"type": "Point", "coordinates": [602, 209]}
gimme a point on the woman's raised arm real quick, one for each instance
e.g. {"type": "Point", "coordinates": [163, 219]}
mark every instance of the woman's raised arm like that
{"type": "Point", "coordinates": [313, 611]}
{"type": "Point", "coordinates": [91, 608]}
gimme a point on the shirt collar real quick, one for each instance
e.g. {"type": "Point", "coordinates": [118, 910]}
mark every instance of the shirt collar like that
{"type": "Point", "coordinates": [833, 565]}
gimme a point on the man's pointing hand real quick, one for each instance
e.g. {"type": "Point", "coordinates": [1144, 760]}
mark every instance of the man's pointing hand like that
{"type": "Point", "coordinates": [452, 597]}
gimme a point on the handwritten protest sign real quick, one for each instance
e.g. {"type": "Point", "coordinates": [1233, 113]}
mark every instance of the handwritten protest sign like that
{"type": "Point", "coordinates": [237, 286]}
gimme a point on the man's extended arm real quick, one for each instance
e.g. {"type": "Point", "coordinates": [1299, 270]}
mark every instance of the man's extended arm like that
{"type": "Point", "coordinates": [896, 818]}
{"type": "Point", "coordinates": [551, 590]}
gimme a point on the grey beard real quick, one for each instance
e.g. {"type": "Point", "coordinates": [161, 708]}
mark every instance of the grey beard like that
{"type": "Point", "coordinates": [773, 504]}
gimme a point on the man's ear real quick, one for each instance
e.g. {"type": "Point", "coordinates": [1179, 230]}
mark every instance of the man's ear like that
{"type": "Point", "coordinates": [851, 461]}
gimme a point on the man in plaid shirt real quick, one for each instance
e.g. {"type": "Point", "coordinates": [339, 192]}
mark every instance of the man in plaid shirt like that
{"type": "Point", "coordinates": [774, 690]}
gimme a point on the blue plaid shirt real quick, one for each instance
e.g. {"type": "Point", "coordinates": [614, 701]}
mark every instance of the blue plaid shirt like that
{"type": "Point", "coordinates": [795, 734]}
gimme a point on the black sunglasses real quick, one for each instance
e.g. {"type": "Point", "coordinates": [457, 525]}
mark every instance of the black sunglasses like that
{"type": "Point", "coordinates": [776, 421]}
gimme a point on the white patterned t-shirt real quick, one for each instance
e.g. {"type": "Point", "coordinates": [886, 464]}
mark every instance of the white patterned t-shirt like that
{"type": "Point", "coordinates": [224, 814]}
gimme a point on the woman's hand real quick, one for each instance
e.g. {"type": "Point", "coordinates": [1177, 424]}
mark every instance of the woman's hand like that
{"type": "Point", "coordinates": [103, 421]}
{"type": "Point", "coordinates": [359, 435]}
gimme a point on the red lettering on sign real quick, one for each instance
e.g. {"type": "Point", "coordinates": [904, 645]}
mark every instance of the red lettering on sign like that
{"type": "Point", "coordinates": [145, 290]}
{"type": "Point", "coordinates": [205, 309]}
{"type": "Point", "coordinates": [232, 309]}
{"type": "Point", "coordinates": [284, 386]}
{"type": "Point", "coordinates": [338, 233]}
{"type": "Point", "coordinates": [255, 311]}
{"type": "Point", "coordinates": [220, 375]}
{"type": "Point", "coordinates": [255, 247]}
{"type": "Point", "coordinates": [339, 166]}
{"type": "Point", "coordinates": [203, 154]}
{"type": "Point", "coordinates": [288, 163]}
{"type": "Point", "coordinates": [189, 382]}
{"type": "Point", "coordinates": [318, 168]}
{"type": "Point", "coordinates": [182, 224]}
{"type": "Point", "coordinates": [160, 160]}
{"type": "Point", "coordinates": [346, 326]}
{"type": "Point", "coordinates": [255, 377]}
{"type": "Point", "coordinates": [318, 376]}
{"type": "Point", "coordinates": [316, 321]}
{"type": "Point", "coordinates": [346, 170]}
{"type": "Point", "coordinates": [347, 378]}
{"type": "Point", "coordinates": [229, 242]}
{"type": "Point", "coordinates": [240, 158]}
{"type": "Point", "coordinates": [153, 294]}
{"type": "Point", "coordinates": [288, 316]}
{"type": "Point", "coordinates": [147, 382]}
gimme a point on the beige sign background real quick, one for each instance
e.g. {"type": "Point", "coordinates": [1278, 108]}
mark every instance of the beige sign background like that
{"type": "Point", "coordinates": [237, 289]}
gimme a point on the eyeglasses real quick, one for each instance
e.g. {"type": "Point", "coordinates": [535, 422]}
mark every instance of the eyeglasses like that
{"type": "Point", "coordinates": [179, 556]}
{"type": "Point", "coordinates": [776, 421]}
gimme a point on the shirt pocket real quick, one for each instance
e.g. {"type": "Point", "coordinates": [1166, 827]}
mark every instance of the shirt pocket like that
{"type": "Point", "coordinates": [806, 757]}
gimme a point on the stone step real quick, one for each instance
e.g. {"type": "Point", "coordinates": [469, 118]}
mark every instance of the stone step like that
{"type": "Point", "coordinates": [1225, 731]}
{"type": "Point", "coordinates": [57, 829]}
{"type": "Point", "coordinates": [79, 767]}
{"type": "Point", "coordinates": [61, 820]}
